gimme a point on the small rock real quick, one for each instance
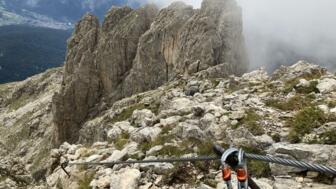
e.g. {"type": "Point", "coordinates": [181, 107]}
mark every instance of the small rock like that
{"type": "Point", "coordinates": [237, 115]}
{"type": "Point", "coordinates": [234, 123]}
{"type": "Point", "coordinates": [303, 83]}
{"type": "Point", "coordinates": [324, 108]}
{"type": "Point", "coordinates": [154, 149]}
{"type": "Point", "coordinates": [116, 156]}
{"type": "Point", "coordinates": [143, 118]}
{"type": "Point", "coordinates": [125, 179]}
{"type": "Point", "coordinates": [326, 85]}
{"type": "Point", "coordinates": [158, 168]}
{"type": "Point", "coordinates": [94, 157]}
{"type": "Point", "coordinates": [145, 134]}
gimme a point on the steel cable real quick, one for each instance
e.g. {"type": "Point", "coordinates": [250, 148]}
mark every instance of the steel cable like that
{"type": "Point", "coordinates": [293, 163]}
{"type": "Point", "coordinates": [171, 160]}
{"type": "Point", "coordinates": [270, 159]}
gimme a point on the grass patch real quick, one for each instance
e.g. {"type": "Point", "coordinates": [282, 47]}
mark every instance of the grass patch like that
{"type": "Point", "coordinates": [122, 140]}
{"type": "Point", "coordinates": [84, 183]}
{"type": "Point", "coordinates": [38, 159]}
{"type": "Point", "coordinates": [257, 168]}
{"type": "Point", "coordinates": [23, 131]}
{"type": "Point", "coordinates": [332, 103]}
{"type": "Point", "coordinates": [172, 151]}
{"type": "Point", "coordinates": [3, 178]}
{"type": "Point", "coordinates": [215, 82]}
{"type": "Point", "coordinates": [276, 137]}
{"type": "Point", "coordinates": [160, 140]}
{"type": "Point", "coordinates": [309, 89]}
{"type": "Point", "coordinates": [304, 122]}
{"type": "Point", "coordinates": [20, 102]}
{"type": "Point", "coordinates": [316, 74]}
{"type": "Point", "coordinates": [251, 122]}
{"type": "Point", "coordinates": [3, 89]}
{"type": "Point", "coordinates": [127, 113]}
{"type": "Point", "coordinates": [296, 102]}
{"type": "Point", "coordinates": [328, 137]}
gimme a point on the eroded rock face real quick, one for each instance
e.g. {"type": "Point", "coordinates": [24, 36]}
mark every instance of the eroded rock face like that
{"type": "Point", "coordinates": [81, 85]}
{"type": "Point", "coordinates": [139, 50]}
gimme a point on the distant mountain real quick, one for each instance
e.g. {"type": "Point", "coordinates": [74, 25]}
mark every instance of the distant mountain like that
{"type": "Point", "coordinates": [58, 14]}
{"type": "Point", "coordinates": [26, 50]}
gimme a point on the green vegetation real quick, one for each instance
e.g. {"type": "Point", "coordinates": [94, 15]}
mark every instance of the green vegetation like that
{"type": "Point", "coordinates": [251, 122]}
{"type": "Point", "coordinates": [3, 178]}
{"type": "Point", "coordinates": [325, 178]}
{"type": "Point", "coordinates": [276, 137]}
{"type": "Point", "coordinates": [257, 168]}
{"type": "Point", "coordinates": [215, 82]}
{"type": "Point", "coordinates": [304, 122]}
{"type": "Point", "coordinates": [331, 103]}
{"type": "Point", "coordinates": [169, 150]}
{"type": "Point", "coordinates": [3, 89]}
{"type": "Point", "coordinates": [160, 140]}
{"type": "Point", "coordinates": [23, 131]}
{"type": "Point", "coordinates": [121, 141]}
{"type": "Point", "coordinates": [328, 137]}
{"type": "Point", "coordinates": [290, 85]}
{"type": "Point", "coordinates": [20, 102]}
{"type": "Point", "coordinates": [309, 89]}
{"type": "Point", "coordinates": [182, 173]}
{"type": "Point", "coordinates": [296, 102]}
{"type": "Point", "coordinates": [84, 183]}
{"type": "Point", "coordinates": [39, 158]}
{"type": "Point", "coordinates": [127, 113]}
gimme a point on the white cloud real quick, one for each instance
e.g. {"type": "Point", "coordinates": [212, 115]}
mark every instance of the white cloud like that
{"type": "Point", "coordinates": [306, 27]}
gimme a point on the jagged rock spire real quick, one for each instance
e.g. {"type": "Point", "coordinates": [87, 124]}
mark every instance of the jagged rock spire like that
{"type": "Point", "coordinates": [139, 50]}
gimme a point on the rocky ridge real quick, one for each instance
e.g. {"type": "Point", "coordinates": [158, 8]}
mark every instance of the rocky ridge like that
{"type": "Point", "coordinates": [290, 114]}
{"type": "Point", "coordinates": [139, 50]}
{"type": "Point", "coordinates": [185, 117]}
{"type": "Point", "coordinates": [26, 126]}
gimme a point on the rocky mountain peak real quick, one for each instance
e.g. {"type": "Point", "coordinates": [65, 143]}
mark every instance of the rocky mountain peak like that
{"type": "Point", "coordinates": [139, 50]}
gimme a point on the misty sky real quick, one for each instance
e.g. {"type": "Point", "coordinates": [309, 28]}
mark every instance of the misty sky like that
{"type": "Point", "coordinates": [284, 31]}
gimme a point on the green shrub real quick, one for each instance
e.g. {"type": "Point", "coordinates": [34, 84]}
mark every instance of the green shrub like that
{"type": "Point", "coordinates": [328, 137]}
{"type": "Point", "coordinates": [160, 140]}
{"type": "Point", "coordinates": [251, 122]}
{"type": "Point", "coordinates": [296, 102]}
{"type": "Point", "coordinates": [20, 102]}
{"type": "Point", "coordinates": [304, 122]}
{"type": "Point", "coordinates": [127, 113]}
{"type": "Point", "coordinates": [257, 168]}
{"type": "Point", "coordinates": [121, 141]}
{"type": "Point", "coordinates": [309, 89]}
{"type": "Point", "coordinates": [276, 137]}
{"type": "Point", "coordinates": [84, 183]}
{"type": "Point", "coordinates": [172, 151]}
{"type": "Point", "coordinates": [332, 103]}
{"type": "Point", "coordinates": [290, 85]}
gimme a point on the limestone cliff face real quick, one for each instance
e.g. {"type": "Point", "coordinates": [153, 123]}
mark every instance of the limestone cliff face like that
{"type": "Point", "coordinates": [138, 50]}
{"type": "Point", "coordinates": [81, 84]}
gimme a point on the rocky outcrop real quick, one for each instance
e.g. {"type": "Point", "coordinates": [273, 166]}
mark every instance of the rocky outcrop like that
{"type": "Point", "coordinates": [286, 114]}
{"type": "Point", "coordinates": [81, 85]}
{"type": "Point", "coordinates": [183, 41]}
{"type": "Point", "coordinates": [26, 128]}
{"type": "Point", "coordinates": [258, 112]}
{"type": "Point", "coordinates": [139, 50]}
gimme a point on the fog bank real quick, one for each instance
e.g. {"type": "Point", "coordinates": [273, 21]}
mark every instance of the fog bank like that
{"type": "Point", "coordinates": [281, 32]}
